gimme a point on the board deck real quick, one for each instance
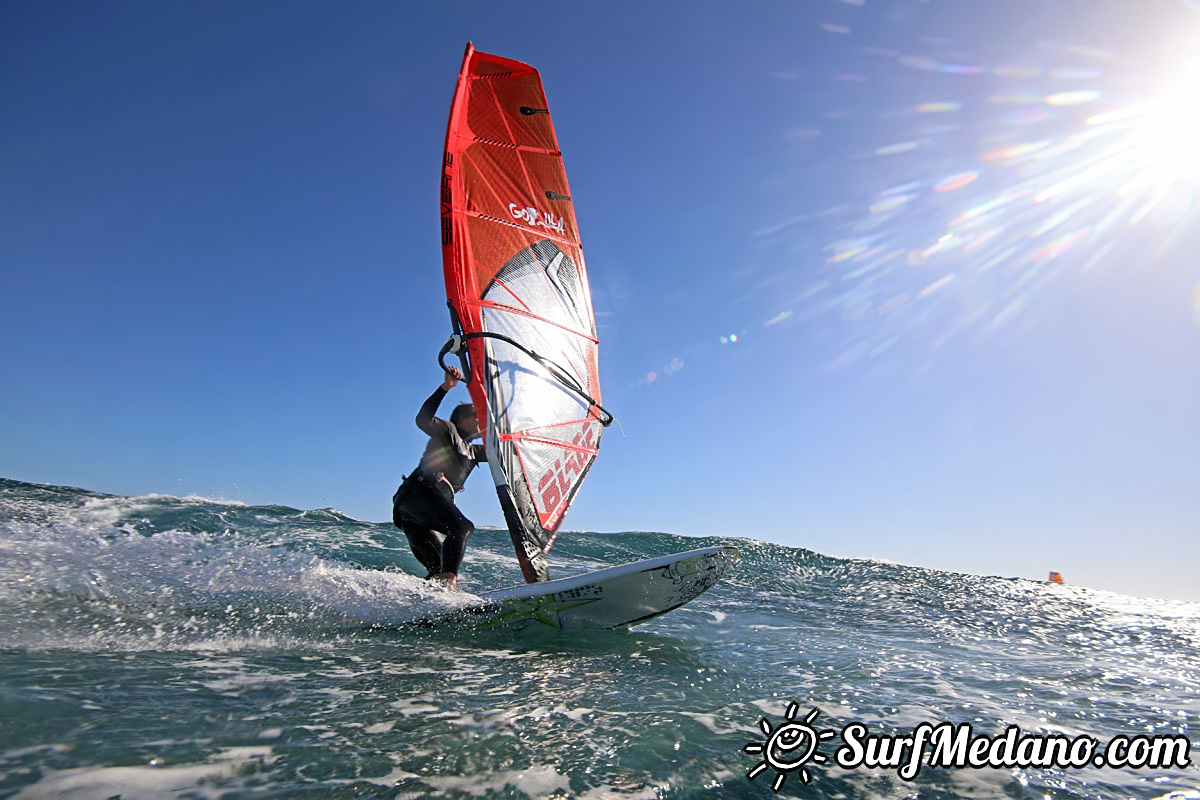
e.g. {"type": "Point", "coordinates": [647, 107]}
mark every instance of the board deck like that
{"type": "Point", "coordinates": [615, 597]}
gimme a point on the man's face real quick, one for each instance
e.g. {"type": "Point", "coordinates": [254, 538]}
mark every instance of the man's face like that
{"type": "Point", "coordinates": [468, 427]}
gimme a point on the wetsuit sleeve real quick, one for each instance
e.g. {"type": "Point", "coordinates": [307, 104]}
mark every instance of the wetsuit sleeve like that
{"type": "Point", "coordinates": [480, 453]}
{"type": "Point", "coordinates": [425, 418]}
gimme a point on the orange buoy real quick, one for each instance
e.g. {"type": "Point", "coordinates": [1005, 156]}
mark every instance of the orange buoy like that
{"type": "Point", "coordinates": [1055, 578]}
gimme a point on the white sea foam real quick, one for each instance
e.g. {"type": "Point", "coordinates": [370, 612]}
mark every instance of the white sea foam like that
{"type": "Point", "coordinates": [409, 706]}
{"type": "Point", "coordinates": [538, 782]}
{"type": "Point", "coordinates": [215, 777]}
{"type": "Point", "coordinates": [149, 589]}
{"type": "Point", "coordinates": [624, 791]}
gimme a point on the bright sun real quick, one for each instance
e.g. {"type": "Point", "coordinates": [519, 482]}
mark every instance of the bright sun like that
{"type": "Point", "coordinates": [1168, 132]}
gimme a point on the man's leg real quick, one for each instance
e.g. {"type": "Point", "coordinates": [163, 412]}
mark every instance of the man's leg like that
{"type": "Point", "coordinates": [457, 528]}
{"type": "Point", "coordinates": [426, 545]}
{"type": "Point", "coordinates": [423, 507]}
{"type": "Point", "coordinates": [434, 510]}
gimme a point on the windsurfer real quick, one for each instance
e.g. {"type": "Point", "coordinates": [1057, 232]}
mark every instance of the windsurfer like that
{"type": "Point", "coordinates": [423, 507]}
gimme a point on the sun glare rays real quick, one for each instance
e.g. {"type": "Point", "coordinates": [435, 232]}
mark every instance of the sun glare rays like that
{"type": "Point", "coordinates": [1069, 170]}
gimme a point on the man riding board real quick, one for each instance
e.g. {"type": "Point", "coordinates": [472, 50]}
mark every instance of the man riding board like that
{"type": "Point", "coordinates": [423, 507]}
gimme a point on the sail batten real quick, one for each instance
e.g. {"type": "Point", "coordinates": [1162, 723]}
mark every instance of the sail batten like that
{"type": "Point", "coordinates": [518, 292]}
{"type": "Point", "coordinates": [524, 313]}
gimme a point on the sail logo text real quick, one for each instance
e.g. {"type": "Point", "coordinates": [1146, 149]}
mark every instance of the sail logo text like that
{"type": "Point", "coordinates": [447, 200]}
{"type": "Point", "coordinates": [532, 216]}
{"type": "Point", "coordinates": [555, 484]}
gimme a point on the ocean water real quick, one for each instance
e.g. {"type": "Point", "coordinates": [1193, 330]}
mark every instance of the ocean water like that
{"type": "Point", "coordinates": [162, 647]}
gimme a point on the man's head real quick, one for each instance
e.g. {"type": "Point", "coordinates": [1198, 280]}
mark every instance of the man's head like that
{"type": "Point", "coordinates": [463, 417]}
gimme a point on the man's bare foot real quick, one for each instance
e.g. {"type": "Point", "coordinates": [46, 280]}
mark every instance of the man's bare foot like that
{"type": "Point", "coordinates": [450, 581]}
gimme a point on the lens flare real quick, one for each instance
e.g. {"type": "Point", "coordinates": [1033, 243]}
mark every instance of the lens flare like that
{"type": "Point", "coordinates": [949, 184]}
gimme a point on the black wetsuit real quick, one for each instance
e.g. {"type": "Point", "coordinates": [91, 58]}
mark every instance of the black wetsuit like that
{"type": "Point", "coordinates": [423, 507]}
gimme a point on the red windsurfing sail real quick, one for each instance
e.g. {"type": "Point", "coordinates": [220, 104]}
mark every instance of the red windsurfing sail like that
{"type": "Point", "coordinates": [519, 298]}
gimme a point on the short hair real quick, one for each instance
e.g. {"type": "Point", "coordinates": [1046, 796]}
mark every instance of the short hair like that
{"type": "Point", "coordinates": [461, 412]}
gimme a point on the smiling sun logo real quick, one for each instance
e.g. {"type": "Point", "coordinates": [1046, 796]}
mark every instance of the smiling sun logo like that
{"type": "Point", "coordinates": [789, 747]}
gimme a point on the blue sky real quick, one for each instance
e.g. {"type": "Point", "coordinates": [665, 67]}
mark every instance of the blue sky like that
{"type": "Point", "coordinates": [884, 278]}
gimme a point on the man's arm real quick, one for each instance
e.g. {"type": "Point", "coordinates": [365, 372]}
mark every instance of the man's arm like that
{"type": "Point", "coordinates": [429, 407]}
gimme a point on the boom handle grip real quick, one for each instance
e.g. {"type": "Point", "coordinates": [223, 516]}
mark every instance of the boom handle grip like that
{"type": "Point", "coordinates": [457, 346]}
